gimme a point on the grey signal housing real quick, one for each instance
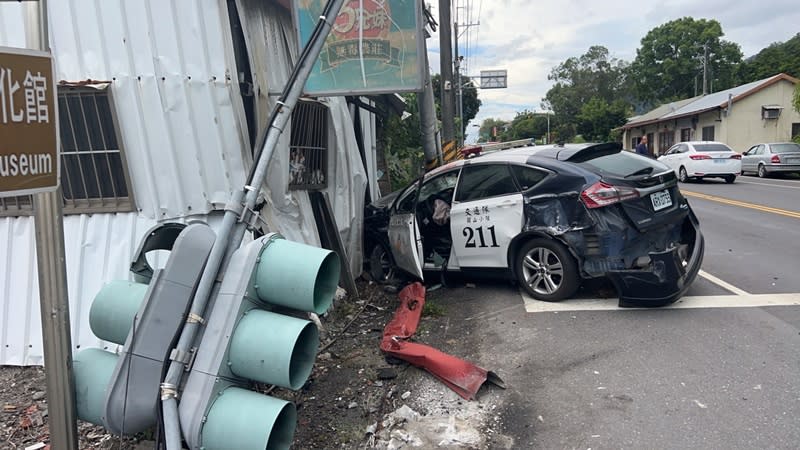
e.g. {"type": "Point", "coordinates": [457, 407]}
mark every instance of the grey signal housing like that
{"type": "Point", "coordinates": [133, 395]}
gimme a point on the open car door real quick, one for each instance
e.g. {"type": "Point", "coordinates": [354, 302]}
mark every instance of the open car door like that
{"type": "Point", "coordinates": [404, 236]}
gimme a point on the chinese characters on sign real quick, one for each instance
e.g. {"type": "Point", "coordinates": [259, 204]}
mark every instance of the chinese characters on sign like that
{"type": "Point", "coordinates": [29, 160]}
{"type": "Point", "coordinates": [375, 46]}
{"type": "Point", "coordinates": [478, 214]}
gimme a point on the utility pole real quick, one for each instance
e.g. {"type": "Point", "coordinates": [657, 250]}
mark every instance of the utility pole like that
{"type": "Point", "coordinates": [458, 94]}
{"type": "Point", "coordinates": [446, 62]}
{"type": "Point", "coordinates": [705, 69]}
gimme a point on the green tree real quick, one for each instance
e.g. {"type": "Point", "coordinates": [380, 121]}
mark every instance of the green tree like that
{"type": "Point", "coordinates": [595, 74]}
{"type": "Point", "coordinates": [401, 138]}
{"type": "Point", "coordinates": [598, 118]}
{"type": "Point", "coordinates": [778, 57]}
{"type": "Point", "coordinates": [491, 129]}
{"type": "Point", "coordinates": [526, 125]}
{"type": "Point", "coordinates": [669, 62]}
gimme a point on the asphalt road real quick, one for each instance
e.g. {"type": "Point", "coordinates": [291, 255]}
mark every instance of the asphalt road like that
{"type": "Point", "coordinates": [719, 370]}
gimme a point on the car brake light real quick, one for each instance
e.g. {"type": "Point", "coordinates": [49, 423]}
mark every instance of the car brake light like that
{"type": "Point", "coordinates": [776, 159]}
{"type": "Point", "coordinates": [603, 194]}
{"type": "Point", "coordinates": [699, 156]}
{"type": "Point", "coordinates": [736, 156]}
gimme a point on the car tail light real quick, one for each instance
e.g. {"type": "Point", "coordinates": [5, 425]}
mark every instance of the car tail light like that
{"type": "Point", "coordinates": [699, 156]}
{"type": "Point", "coordinates": [603, 194]}
{"type": "Point", "coordinates": [776, 159]}
{"type": "Point", "coordinates": [736, 156]}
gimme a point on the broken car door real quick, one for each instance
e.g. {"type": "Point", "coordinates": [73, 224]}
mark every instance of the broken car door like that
{"type": "Point", "coordinates": [404, 237]}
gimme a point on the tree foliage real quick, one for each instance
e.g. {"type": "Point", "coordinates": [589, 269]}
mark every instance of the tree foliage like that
{"type": "Point", "coordinates": [579, 80]}
{"type": "Point", "coordinates": [669, 61]}
{"type": "Point", "coordinates": [491, 129]}
{"type": "Point", "coordinates": [402, 140]}
{"type": "Point", "coordinates": [598, 118]}
{"type": "Point", "coordinates": [778, 57]}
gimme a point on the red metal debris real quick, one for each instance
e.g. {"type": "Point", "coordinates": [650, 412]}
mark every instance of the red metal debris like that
{"type": "Point", "coordinates": [461, 376]}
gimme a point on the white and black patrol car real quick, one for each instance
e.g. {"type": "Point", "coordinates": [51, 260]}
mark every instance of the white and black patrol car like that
{"type": "Point", "coordinates": [549, 217]}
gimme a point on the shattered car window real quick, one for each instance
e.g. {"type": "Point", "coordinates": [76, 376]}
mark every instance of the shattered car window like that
{"type": "Point", "coordinates": [406, 204]}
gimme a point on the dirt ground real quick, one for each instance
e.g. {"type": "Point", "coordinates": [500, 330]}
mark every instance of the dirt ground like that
{"type": "Point", "coordinates": [353, 399]}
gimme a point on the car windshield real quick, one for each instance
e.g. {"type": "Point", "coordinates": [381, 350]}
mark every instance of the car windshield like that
{"type": "Point", "coordinates": [623, 164]}
{"type": "Point", "coordinates": [789, 147]}
{"type": "Point", "coordinates": [712, 148]}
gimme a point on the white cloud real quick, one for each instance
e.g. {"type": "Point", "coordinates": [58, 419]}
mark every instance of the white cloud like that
{"type": "Point", "coordinates": [530, 38]}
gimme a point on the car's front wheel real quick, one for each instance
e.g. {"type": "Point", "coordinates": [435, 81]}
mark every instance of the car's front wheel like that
{"type": "Point", "coordinates": [547, 271]}
{"type": "Point", "coordinates": [381, 266]}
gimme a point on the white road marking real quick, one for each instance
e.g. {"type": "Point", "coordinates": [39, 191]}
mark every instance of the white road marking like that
{"type": "Point", "coordinates": [721, 283]}
{"type": "Point", "coordinates": [769, 184]}
{"type": "Point", "coordinates": [703, 301]}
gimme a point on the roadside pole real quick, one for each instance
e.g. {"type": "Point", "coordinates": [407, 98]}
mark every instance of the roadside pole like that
{"type": "Point", "coordinates": [446, 62]}
{"type": "Point", "coordinates": [53, 296]}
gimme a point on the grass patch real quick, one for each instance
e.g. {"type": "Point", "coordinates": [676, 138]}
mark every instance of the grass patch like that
{"type": "Point", "coordinates": [432, 309]}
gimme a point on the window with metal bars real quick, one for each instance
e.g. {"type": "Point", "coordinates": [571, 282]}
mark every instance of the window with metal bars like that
{"type": "Point", "coordinates": [308, 146]}
{"type": "Point", "coordinates": [94, 175]}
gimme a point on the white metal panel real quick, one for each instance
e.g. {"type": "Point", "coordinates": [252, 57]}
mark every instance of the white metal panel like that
{"type": "Point", "coordinates": [98, 249]}
{"type": "Point", "coordinates": [178, 109]}
{"type": "Point", "coordinates": [12, 24]}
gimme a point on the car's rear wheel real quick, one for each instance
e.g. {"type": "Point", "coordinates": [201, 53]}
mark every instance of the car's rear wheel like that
{"type": "Point", "coordinates": [762, 171]}
{"type": "Point", "coordinates": [683, 177]}
{"type": "Point", "coordinates": [730, 179]}
{"type": "Point", "coordinates": [547, 271]}
{"type": "Point", "coordinates": [381, 266]}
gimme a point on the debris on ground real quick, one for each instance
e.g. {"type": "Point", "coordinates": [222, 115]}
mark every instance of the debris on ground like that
{"type": "Point", "coordinates": [353, 388]}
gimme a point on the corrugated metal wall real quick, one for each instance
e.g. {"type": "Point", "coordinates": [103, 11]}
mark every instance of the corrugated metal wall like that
{"type": "Point", "coordinates": [172, 77]}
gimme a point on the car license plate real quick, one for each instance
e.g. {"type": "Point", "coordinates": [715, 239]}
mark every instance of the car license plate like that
{"type": "Point", "coordinates": [661, 200]}
{"type": "Point", "coordinates": [720, 161]}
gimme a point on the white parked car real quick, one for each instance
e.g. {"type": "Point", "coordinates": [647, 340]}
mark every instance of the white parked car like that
{"type": "Point", "coordinates": [696, 160]}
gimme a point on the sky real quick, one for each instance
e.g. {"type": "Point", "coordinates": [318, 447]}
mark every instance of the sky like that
{"type": "Point", "coordinates": [528, 38]}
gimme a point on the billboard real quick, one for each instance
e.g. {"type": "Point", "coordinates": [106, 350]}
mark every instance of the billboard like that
{"type": "Point", "coordinates": [494, 79]}
{"type": "Point", "coordinates": [374, 47]}
{"type": "Point", "coordinates": [29, 160]}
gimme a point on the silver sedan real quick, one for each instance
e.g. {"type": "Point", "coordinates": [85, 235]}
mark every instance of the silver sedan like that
{"type": "Point", "coordinates": [766, 159]}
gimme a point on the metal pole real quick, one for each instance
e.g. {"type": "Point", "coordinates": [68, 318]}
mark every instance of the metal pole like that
{"type": "Point", "coordinates": [242, 202]}
{"type": "Point", "coordinates": [547, 138]}
{"type": "Point", "coordinates": [445, 44]}
{"type": "Point", "coordinates": [53, 298]}
{"type": "Point", "coordinates": [459, 102]}
{"type": "Point", "coordinates": [427, 120]}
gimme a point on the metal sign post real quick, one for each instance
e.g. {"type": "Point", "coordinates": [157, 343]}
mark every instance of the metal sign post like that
{"type": "Point", "coordinates": [30, 164]}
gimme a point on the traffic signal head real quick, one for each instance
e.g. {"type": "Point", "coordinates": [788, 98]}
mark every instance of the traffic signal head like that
{"type": "Point", "coordinates": [120, 391]}
{"type": "Point", "coordinates": [246, 339]}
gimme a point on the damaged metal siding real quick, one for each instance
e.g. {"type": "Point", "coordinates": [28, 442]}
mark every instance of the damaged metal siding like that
{"type": "Point", "coordinates": [182, 126]}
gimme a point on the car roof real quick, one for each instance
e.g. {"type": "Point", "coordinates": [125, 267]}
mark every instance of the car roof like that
{"type": "Point", "coordinates": [521, 155]}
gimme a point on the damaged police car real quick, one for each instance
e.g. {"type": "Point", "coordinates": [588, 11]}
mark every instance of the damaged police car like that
{"type": "Point", "coordinates": [549, 217]}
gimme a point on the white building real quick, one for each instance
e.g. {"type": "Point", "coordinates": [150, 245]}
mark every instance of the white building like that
{"type": "Point", "coordinates": [755, 112]}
